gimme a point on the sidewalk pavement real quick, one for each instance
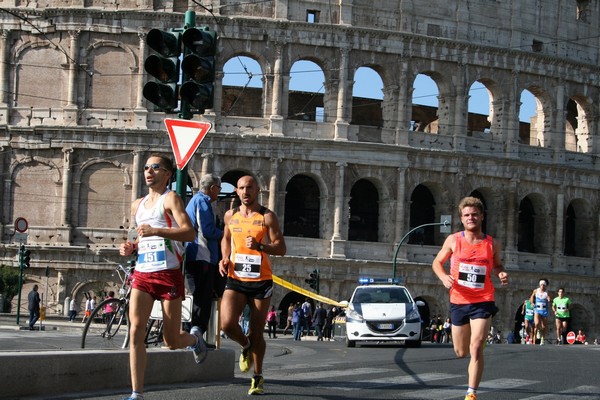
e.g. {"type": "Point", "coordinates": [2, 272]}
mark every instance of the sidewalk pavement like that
{"type": "Point", "coordinates": [72, 371]}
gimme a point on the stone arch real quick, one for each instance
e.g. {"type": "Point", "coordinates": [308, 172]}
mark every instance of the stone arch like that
{"type": "Point", "coordinates": [364, 210]}
{"type": "Point", "coordinates": [532, 237]}
{"type": "Point", "coordinates": [36, 88]}
{"type": "Point", "coordinates": [112, 43]}
{"type": "Point", "coordinates": [582, 319]}
{"type": "Point", "coordinates": [482, 124]}
{"type": "Point", "coordinates": [20, 162]}
{"type": "Point", "coordinates": [302, 207]}
{"type": "Point", "coordinates": [429, 120]}
{"type": "Point", "coordinates": [367, 110]}
{"type": "Point", "coordinates": [578, 231]}
{"type": "Point", "coordinates": [107, 203]}
{"type": "Point", "coordinates": [89, 163]}
{"type": "Point", "coordinates": [309, 104]}
{"type": "Point", "coordinates": [423, 208]}
{"type": "Point", "coordinates": [247, 98]}
{"type": "Point", "coordinates": [540, 129]}
{"type": "Point", "coordinates": [290, 297]}
{"type": "Point", "coordinates": [578, 129]}
{"type": "Point", "coordinates": [111, 65]}
{"type": "Point", "coordinates": [35, 180]}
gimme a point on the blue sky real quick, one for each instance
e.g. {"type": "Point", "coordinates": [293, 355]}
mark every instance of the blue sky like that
{"type": "Point", "coordinates": [308, 77]}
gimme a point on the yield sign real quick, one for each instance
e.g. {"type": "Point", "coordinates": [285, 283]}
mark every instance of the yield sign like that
{"type": "Point", "coordinates": [186, 136]}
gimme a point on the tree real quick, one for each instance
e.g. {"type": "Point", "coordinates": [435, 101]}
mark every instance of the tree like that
{"type": "Point", "coordinates": [9, 285]}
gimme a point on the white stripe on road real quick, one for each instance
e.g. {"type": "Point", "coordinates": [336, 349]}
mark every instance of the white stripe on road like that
{"type": "Point", "coordinates": [388, 381]}
{"type": "Point", "coordinates": [334, 373]}
{"type": "Point", "coordinates": [452, 392]}
{"type": "Point", "coordinates": [578, 393]}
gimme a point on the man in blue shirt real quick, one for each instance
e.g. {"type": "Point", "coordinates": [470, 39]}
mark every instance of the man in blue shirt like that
{"type": "Point", "coordinates": [202, 255]}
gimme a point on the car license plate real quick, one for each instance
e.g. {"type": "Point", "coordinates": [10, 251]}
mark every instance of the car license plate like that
{"type": "Point", "coordinates": [386, 326]}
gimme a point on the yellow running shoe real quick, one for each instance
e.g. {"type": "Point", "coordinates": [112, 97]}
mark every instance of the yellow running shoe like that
{"type": "Point", "coordinates": [471, 396]}
{"type": "Point", "coordinates": [245, 360]}
{"type": "Point", "coordinates": [256, 386]}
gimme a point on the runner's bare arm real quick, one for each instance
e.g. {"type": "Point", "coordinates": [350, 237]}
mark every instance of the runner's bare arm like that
{"type": "Point", "coordinates": [184, 233]}
{"type": "Point", "coordinates": [441, 258]}
{"type": "Point", "coordinates": [225, 245]}
{"type": "Point", "coordinates": [277, 246]}
{"type": "Point", "coordinates": [129, 247]}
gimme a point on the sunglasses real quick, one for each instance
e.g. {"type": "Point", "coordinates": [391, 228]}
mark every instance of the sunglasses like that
{"type": "Point", "coordinates": [154, 166]}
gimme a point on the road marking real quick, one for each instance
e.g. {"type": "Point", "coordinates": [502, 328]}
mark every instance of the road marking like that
{"type": "Point", "coordinates": [453, 391]}
{"type": "Point", "coordinates": [333, 373]}
{"type": "Point", "coordinates": [575, 393]}
{"type": "Point", "coordinates": [388, 381]}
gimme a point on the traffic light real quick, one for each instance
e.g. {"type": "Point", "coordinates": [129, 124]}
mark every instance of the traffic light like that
{"type": "Point", "coordinates": [24, 257]}
{"type": "Point", "coordinates": [164, 67]}
{"type": "Point", "coordinates": [313, 280]}
{"type": "Point", "coordinates": [198, 68]}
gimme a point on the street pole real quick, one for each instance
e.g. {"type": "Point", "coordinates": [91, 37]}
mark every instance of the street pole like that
{"type": "Point", "coordinates": [181, 175]}
{"type": "Point", "coordinates": [445, 223]}
{"type": "Point", "coordinates": [20, 281]}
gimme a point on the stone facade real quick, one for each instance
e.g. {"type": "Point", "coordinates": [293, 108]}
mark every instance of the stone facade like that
{"type": "Point", "coordinates": [76, 131]}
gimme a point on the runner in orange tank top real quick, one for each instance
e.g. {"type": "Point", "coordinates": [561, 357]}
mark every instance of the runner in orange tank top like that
{"type": "Point", "coordinates": [475, 256]}
{"type": "Point", "coordinates": [250, 236]}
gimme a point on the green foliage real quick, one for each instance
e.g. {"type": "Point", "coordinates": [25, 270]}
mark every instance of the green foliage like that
{"type": "Point", "coordinates": [9, 282]}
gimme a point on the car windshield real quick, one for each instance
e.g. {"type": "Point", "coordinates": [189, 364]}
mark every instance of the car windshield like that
{"type": "Point", "coordinates": [381, 295]}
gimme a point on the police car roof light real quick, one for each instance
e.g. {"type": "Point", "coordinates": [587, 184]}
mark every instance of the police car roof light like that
{"type": "Point", "coordinates": [374, 281]}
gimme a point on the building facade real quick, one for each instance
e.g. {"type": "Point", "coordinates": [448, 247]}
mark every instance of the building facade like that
{"type": "Point", "coordinates": [75, 131]}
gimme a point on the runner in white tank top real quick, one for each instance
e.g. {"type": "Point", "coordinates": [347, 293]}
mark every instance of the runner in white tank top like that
{"type": "Point", "coordinates": [160, 221]}
{"type": "Point", "coordinates": [157, 253]}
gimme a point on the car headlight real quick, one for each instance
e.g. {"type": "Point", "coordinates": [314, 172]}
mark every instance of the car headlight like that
{"type": "Point", "coordinates": [353, 315]}
{"type": "Point", "coordinates": [413, 315]}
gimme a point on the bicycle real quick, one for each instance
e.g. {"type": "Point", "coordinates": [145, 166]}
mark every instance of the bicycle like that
{"type": "Point", "coordinates": [110, 330]}
{"type": "Point", "coordinates": [101, 332]}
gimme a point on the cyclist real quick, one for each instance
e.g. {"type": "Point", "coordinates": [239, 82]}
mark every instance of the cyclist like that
{"type": "Point", "coordinates": [161, 224]}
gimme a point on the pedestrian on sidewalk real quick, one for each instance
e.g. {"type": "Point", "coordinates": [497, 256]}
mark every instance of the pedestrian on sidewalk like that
{"type": "Point", "coordinates": [34, 306]}
{"type": "Point", "coordinates": [272, 322]}
{"type": "Point", "coordinates": [72, 309]}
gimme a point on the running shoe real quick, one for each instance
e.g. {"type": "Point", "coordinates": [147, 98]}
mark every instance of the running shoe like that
{"type": "Point", "coordinates": [542, 342]}
{"type": "Point", "coordinates": [245, 360]}
{"type": "Point", "coordinates": [471, 396]}
{"type": "Point", "coordinates": [256, 386]}
{"type": "Point", "coordinates": [200, 350]}
{"type": "Point", "coordinates": [134, 397]}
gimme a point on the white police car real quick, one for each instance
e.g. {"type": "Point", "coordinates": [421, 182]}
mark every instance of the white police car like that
{"type": "Point", "coordinates": [381, 310]}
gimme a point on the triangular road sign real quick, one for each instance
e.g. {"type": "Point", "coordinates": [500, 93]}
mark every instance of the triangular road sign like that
{"type": "Point", "coordinates": [185, 136]}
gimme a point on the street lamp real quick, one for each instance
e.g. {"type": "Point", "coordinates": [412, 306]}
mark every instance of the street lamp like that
{"type": "Point", "coordinates": [446, 222]}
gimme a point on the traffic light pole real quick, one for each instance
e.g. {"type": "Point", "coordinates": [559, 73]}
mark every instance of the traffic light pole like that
{"type": "Point", "coordinates": [185, 112]}
{"type": "Point", "coordinates": [20, 281]}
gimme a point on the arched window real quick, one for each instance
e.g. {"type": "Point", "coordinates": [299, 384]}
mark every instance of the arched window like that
{"type": "Point", "coordinates": [526, 226]}
{"type": "Point", "coordinates": [422, 211]}
{"type": "Point", "coordinates": [302, 210]}
{"type": "Point", "coordinates": [364, 212]}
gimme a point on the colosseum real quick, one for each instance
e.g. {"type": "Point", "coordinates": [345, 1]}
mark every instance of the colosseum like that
{"type": "Point", "coordinates": [349, 176]}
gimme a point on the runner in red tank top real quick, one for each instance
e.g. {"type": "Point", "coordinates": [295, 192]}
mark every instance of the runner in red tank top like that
{"type": "Point", "coordinates": [475, 256]}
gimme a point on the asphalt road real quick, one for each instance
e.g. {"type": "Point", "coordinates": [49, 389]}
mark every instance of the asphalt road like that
{"type": "Point", "coordinates": [328, 370]}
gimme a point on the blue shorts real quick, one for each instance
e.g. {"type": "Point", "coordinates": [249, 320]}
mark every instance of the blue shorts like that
{"type": "Point", "coordinates": [461, 314]}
